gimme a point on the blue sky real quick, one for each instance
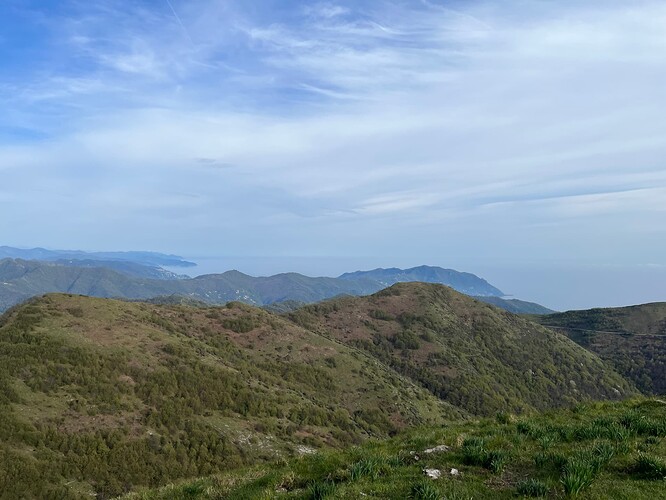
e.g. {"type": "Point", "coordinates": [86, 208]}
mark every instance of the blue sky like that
{"type": "Point", "coordinates": [519, 140]}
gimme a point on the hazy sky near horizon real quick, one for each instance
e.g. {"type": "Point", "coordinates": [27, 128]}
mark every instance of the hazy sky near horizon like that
{"type": "Point", "coordinates": [517, 135]}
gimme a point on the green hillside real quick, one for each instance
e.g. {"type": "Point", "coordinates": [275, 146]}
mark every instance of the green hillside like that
{"type": "Point", "coordinates": [631, 339]}
{"type": "Point", "coordinates": [464, 351]}
{"type": "Point", "coordinates": [100, 396]}
{"type": "Point", "coordinates": [514, 306]}
{"type": "Point", "coordinates": [595, 451]}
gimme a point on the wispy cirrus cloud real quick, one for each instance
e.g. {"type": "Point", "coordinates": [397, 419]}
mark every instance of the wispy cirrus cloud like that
{"type": "Point", "coordinates": [342, 121]}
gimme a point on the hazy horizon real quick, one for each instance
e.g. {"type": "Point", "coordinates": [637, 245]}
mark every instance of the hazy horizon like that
{"type": "Point", "coordinates": [522, 142]}
{"type": "Point", "coordinates": [561, 287]}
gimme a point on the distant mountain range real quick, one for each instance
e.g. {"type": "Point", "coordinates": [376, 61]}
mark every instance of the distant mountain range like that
{"type": "Point", "coordinates": [151, 259]}
{"type": "Point", "coordinates": [125, 267]}
{"type": "Point", "coordinates": [21, 279]}
{"type": "Point", "coordinates": [466, 283]}
{"type": "Point", "coordinates": [516, 306]}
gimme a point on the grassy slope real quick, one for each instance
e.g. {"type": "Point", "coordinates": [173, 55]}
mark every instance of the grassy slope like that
{"type": "Point", "coordinates": [99, 396]}
{"type": "Point", "coordinates": [609, 450]}
{"type": "Point", "coordinates": [639, 352]}
{"type": "Point", "coordinates": [466, 352]}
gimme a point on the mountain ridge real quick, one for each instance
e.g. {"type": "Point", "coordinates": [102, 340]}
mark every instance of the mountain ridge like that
{"type": "Point", "coordinates": [417, 327]}
{"type": "Point", "coordinates": [467, 283]}
{"type": "Point", "coordinates": [21, 279]}
{"type": "Point", "coordinates": [152, 259]}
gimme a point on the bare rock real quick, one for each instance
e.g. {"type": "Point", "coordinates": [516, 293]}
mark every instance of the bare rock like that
{"type": "Point", "coordinates": [438, 449]}
{"type": "Point", "coordinates": [433, 473]}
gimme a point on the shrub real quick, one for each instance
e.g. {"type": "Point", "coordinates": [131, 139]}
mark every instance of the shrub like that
{"type": "Point", "coordinates": [406, 340]}
{"type": "Point", "coordinates": [243, 324]}
{"type": "Point", "coordinates": [503, 418]}
{"type": "Point", "coordinates": [381, 315]}
{"type": "Point", "coordinates": [532, 488]}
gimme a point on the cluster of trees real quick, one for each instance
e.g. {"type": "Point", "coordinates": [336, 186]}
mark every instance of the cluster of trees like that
{"type": "Point", "coordinates": [483, 367]}
{"type": "Point", "coordinates": [131, 418]}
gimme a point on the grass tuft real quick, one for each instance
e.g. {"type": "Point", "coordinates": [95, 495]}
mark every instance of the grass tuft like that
{"type": "Point", "coordinates": [532, 488]}
{"type": "Point", "coordinates": [577, 475]}
{"type": "Point", "coordinates": [425, 490]}
{"type": "Point", "coordinates": [475, 453]}
{"type": "Point", "coordinates": [368, 467]}
{"type": "Point", "coordinates": [649, 467]}
{"type": "Point", "coordinates": [319, 490]}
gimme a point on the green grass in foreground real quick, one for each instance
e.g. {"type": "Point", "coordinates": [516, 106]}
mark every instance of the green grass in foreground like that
{"type": "Point", "coordinates": [595, 451]}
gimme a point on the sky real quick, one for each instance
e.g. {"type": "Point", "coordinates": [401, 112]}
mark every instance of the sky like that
{"type": "Point", "coordinates": [523, 141]}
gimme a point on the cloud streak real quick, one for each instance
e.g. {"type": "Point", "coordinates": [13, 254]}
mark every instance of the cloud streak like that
{"type": "Point", "coordinates": [342, 127]}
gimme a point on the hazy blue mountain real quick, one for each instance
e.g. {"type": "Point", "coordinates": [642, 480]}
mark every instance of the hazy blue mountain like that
{"type": "Point", "coordinates": [125, 267]}
{"type": "Point", "coordinates": [22, 279]}
{"type": "Point", "coordinates": [466, 283]}
{"type": "Point", "coordinates": [516, 306]}
{"type": "Point", "coordinates": [144, 258]}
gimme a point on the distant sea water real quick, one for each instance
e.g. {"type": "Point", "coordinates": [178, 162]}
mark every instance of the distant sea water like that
{"type": "Point", "coordinates": [559, 287]}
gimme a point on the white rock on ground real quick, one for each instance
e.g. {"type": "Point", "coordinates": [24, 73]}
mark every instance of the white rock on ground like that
{"type": "Point", "coordinates": [433, 473]}
{"type": "Point", "coordinates": [437, 449]}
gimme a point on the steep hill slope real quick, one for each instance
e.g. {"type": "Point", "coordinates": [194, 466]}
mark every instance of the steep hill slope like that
{"type": "Point", "coordinates": [466, 283]}
{"type": "Point", "coordinates": [466, 352]}
{"type": "Point", "coordinates": [98, 396]}
{"type": "Point", "coordinates": [596, 452]}
{"type": "Point", "coordinates": [632, 339]}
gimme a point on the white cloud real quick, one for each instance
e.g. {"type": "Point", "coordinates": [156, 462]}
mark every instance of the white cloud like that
{"type": "Point", "coordinates": [410, 118]}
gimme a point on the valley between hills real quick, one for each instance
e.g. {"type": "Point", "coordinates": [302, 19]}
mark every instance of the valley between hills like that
{"type": "Point", "coordinates": [104, 397]}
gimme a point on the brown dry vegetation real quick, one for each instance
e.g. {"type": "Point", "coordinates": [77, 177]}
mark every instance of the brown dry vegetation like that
{"type": "Point", "coordinates": [99, 396]}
